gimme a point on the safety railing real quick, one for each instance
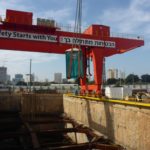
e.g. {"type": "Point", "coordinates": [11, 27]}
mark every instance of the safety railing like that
{"type": "Point", "coordinates": [126, 36]}
{"type": "Point", "coordinates": [124, 102]}
{"type": "Point", "coordinates": [70, 28]}
{"type": "Point", "coordinates": [59, 26]}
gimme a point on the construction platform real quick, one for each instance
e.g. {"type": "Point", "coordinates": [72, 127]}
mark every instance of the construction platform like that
{"type": "Point", "coordinates": [47, 132]}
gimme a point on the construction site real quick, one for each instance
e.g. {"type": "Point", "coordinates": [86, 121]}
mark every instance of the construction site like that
{"type": "Point", "coordinates": [92, 117]}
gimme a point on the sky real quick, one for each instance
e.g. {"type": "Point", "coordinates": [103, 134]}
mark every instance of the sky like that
{"type": "Point", "coordinates": [128, 17]}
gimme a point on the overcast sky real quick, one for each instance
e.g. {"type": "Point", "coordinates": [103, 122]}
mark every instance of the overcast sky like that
{"type": "Point", "coordinates": [127, 16]}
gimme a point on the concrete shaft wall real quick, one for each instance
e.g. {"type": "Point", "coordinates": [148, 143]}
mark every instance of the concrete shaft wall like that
{"type": "Point", "coordinates": [128, 126]}
{"type": "Point", "coordinates": [10, 102]}
{"type": "Point", "coordinates": [42, 103]}
{"type": "Point", "coordinates": [32, 103]}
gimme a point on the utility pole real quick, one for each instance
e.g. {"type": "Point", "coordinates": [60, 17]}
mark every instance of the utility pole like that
{"type": "Point", "coordinates": [30, 73]}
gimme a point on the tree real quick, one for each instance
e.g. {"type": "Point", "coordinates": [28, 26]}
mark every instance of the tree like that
{"type": "Point", "coordinates": [145, 78]}
{"type": "Point", "coordinates": [21, 83]}
{"type": "Point", "coordinates": [111, 81]}
{"type": "Point", "coordinates": [131, 79]}
{"type": "Point", "coordinates": [120, 82]}
{"type": "Point", "coordinates": [46, 83]}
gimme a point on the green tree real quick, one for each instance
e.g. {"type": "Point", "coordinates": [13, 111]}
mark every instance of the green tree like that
{"type": "Point", "coordinates": [111, 81]}
{"type": "Point", "coordinates": [46, 83]}
{"type": "Point", "coordinates": [145, 78]}
{"type": "Point", "coordinates": [131, 79]}
{"type": "Point", "coordinates": [21, 83]}
{"type": "Point", "coordinates": [120, 82]}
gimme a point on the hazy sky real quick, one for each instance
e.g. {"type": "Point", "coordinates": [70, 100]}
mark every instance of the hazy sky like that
{"type": "Point", "coordinates": [126, 16]}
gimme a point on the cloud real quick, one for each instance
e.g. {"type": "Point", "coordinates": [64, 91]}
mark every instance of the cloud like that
{"type": "Point", "coordinates": [59, 14]}
{"type": "Point", "coordinates": [13, 4]}
{"type": "Point", "coordinates": [19, 61]}
{"type": "Point", "coordinates": [133, 19]}
{"type": "Point", "coordinates": [22, 57]}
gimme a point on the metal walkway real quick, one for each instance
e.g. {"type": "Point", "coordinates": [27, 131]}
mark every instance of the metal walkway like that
{"type": "Point", "coordinates": [47, 132]}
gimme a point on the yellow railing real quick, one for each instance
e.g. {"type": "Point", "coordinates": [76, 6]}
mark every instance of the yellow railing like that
{"type": "Point", "coordinates": [139, 104]}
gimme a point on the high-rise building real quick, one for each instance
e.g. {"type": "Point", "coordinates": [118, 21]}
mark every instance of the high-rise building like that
{"type": "Point", "coordinates": [58, 77]}
{"type": "Point", "coordinates": [18, 78]}
{"type": "Point", "coordinates": [8, 78]}
{"type": "Point", "coordinates": [3, 74]}
{"type": "Point", "coordinates": [122, 75]}
{"type": "Point", "coordinates": [113, 74]}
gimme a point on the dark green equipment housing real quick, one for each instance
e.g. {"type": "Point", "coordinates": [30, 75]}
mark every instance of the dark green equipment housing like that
{"type": "Point", "coordinates": [74, 64]}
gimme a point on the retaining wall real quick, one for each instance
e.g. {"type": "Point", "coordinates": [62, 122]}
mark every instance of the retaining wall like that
{"type": "Point", "coordinates": [32, 103]}
{"type": "Point", "coordinates": [126, 125]}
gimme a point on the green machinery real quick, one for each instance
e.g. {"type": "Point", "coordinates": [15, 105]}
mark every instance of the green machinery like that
{"type": "Point", "coordinates": [74, 63]}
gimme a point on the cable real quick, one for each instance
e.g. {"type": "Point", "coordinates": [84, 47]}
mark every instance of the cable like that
{"type": "Point", "coordinates": [77, 33]}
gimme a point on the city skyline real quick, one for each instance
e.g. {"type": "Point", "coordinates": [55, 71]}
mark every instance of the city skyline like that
{"type": "Point", "coordinates": [57, 76]}
{"type": "Point", "coordinates": [110, 73]}
{"type": "Point", "coordinates": [45, 65]}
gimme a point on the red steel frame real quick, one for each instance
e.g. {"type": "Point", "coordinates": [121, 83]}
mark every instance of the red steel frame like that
{"type": "Point", "coordinates": [94, 32]}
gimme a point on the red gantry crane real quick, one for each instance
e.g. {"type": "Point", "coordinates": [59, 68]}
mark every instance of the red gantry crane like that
{"type": "Point", "coordinates": [18, 33]}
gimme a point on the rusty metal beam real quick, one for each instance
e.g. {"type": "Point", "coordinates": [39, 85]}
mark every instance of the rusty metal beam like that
{"type": "Point", "coordinates": [57, 134]}
{"type": "Point", "coordinates": [73, 147]}
{"type": "Point", "coordinates": [56, 131]}
{"type": "Point", "coordinates": [87, 146]}
{"type": "Point", "coordinates": [82, 129]}
{"type": "Point", "coordinates": [33, 135]}
{"type": "Point", "coordinates": [49, 121]}
{"type": "Point", "coordinates": [47, 132]}
{"type": "Point", "coordinates": [106, 146]}
{"type": "Point", "coordinates": [56, 144]}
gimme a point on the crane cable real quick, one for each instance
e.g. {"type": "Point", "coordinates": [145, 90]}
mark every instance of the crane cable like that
{"type": "Point", "coordinates": [78, 24]}
{"type": "Point", "coordinates": [77, 33]}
